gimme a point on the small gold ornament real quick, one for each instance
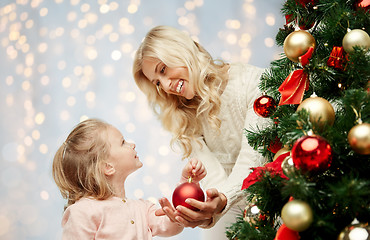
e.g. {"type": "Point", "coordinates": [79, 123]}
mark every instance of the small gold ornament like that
{"type": "Point", "coordinates": [359, 138]}
{"type": "Point", "coordinates": [355, 37]}
{"type": "Point", "coordinates": [297, 215]}
{"type": "Point", "coordinates": [297, 44]}
{"type": "Point", "coordinates": [280, 152]}
{"type": "Point", "coordinates": [287, 166]}
{"type": "Point", "coordinates": [320, 110]}
{"type": "Point", "coordinates": [251, 214]}
{"type": "Point", "coordinates": [355, 231]}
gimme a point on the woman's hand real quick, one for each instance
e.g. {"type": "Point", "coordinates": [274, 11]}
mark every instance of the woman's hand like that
{"type": "Point", "coordinates": [195, 169]}
{"type": "Point", "coordinates": [213, 205]}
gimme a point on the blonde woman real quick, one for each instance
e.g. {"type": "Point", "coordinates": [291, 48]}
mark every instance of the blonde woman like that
{"type": "Point", "coordinates": [90, 169]}
{"type": "Point", "coordinates": [205, 104]}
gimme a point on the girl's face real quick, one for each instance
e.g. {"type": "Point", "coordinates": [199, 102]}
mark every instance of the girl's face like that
{"type": "Point", "coordinates": [123, 156]}
{"type": "Point", "coordinates": [173, 80]}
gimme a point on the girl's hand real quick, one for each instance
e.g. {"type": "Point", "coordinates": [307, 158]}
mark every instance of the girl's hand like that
{"type": "Point", "coordinates": [167, 209]}
{"type": "Point", "coordinates": [195, 169]}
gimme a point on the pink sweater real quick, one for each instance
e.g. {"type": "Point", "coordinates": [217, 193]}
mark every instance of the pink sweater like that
{"type": "Point", "coordinates": [115, 219]}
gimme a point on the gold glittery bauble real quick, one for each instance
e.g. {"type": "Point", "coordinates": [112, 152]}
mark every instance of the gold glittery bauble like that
{"type": "Point", "coordinates": [297, 44]}
{"type": "Point", "coordinates": [356, 37]}
{"type": "Point", "coordinates": [287, 166]}
{"type": "Point", "coordinates": [320, 110]}
{"type": "Point", "coordinates": [297, 215]}
{"type": "Point", "coordinates": [359, 138]}
{"type": "Point", "coordinates": [280, 152]}
{"type": "Point", "coordinates": [251, 214]}
{"type": "Point", "coordinates": [358, 231]}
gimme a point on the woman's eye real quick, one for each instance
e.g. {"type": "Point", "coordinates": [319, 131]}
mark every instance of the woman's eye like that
{"type": "Point", "coordinates": [158, 83]}
{"type": "Point", "coordinates": [163, 68]}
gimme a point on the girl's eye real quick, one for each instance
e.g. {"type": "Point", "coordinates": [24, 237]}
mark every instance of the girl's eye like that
{"type": "Point", "coordinates": [158, 83]}
{"type": "Point", "coordinates": [163, 68]}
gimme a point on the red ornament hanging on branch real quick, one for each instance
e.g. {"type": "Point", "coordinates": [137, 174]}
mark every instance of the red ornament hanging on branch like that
{"type": "Point", "coordinates": [275, 145]}
{"type": "Point", "coordinates": [264, 106]}
{"type": "Point", "coordinates": [336, 58]}
{"type": "Point", "coordinates": [312, 154]}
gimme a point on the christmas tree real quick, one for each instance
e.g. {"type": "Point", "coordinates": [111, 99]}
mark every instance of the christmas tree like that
{"type": "Point", "coordinates": [317, 182]}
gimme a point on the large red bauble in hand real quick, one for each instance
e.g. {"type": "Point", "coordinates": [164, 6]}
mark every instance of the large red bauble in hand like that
{"type": "Point", "coordinates": [187, 190]}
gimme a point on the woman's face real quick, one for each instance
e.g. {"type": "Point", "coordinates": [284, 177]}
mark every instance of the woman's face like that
{"type": "Point", "coordinates": [173, 80]}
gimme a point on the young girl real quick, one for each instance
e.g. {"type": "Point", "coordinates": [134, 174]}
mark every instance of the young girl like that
{"type": "Point", "coordinates": [90, 169]}
{"type": "Point", "coordinates": [206, 105]}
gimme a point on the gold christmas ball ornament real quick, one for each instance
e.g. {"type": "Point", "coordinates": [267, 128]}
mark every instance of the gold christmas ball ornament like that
{"type": "Point", "coordinates": [297, 44]}
{"type": "Point", "coordinates": [251, 214]}
{"type": "Point", "coordinates": [355, 37]}
{"type": "Point", "coordinates": [320, 110]}
{"type": "Point", "coordinates": [297, 215]}
{"type": "Point", "coordinates": [359, 138]}
{"type": "Point", "coordinates": [287, 166]}
{"type": "Point", "coordinates": [358, 231]}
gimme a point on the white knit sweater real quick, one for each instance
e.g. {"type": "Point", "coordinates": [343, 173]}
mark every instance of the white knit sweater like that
{"type": "Point", "coordinates": [227, 156]}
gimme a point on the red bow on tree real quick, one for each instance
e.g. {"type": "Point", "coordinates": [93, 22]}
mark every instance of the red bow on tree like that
{"type": "Point", "coordinates": [274, 168]}
{"type": "Point", "coordinates": [294, 86]}
{"type": "Point", "coordinates": [284, 233]}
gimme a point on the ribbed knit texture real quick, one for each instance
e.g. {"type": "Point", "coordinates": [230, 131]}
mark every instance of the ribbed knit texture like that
{"type": "Point", "coordinates": [228, 157]}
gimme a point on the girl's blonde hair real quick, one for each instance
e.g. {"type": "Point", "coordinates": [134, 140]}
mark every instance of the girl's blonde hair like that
{"type": "Point", "coordinates": [178, 115]}
{"type": "Point", "coordinates": [77, 169]}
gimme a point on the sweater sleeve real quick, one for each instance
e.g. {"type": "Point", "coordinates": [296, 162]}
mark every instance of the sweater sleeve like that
{"type": "Point", "coordinates": [161, 225]}
{"type": "Point", "coordinates": [247, 158]}
{"type": "Point", "coordinates": [215, 172]}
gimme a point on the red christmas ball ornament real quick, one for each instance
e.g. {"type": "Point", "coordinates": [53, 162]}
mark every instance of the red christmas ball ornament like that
{"type": "Point", "coordinates": [312, 154]}
{"type": "Point", "coordinates": [187, 190]}
{"type": "Point", "coordinates": [275, 145]}
{"type": "Point", "coordinates": [264, 106]}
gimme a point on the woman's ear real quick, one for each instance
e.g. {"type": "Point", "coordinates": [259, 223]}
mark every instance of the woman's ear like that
{"type": "Point", "coordinates": [108, 169]}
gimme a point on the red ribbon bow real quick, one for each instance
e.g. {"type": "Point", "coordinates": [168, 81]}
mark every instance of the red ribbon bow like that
{"type": "Point", "coordinates": [273, 167]}
{"type": "Point", "coordinates": [284, 233]}
{"type": "Point", "coordinates": [294, 86]}
{"type": "Point", "coordinates": [364, 3]}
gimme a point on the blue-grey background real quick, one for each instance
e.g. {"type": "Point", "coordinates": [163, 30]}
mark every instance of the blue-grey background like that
{"type": "Point", "coordinates": [62, 61]}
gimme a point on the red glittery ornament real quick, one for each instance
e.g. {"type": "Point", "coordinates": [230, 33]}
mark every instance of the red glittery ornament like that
{"type": "Point", "coordinates": [264, 106]}
{"type": "Point", "coordinates": [187, 190]}
{"type": "Point", "coordinates": [336, 58]}
{"type": "Point", "coordinates": [312, 154]}
{"type": "Point", "coordinates": [275, 145]}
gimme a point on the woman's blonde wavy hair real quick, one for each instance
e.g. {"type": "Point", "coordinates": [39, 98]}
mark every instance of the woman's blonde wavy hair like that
{"type": "Point", "coordinates": [77, 165]}
{"type": "Point", "coordinates": [178, 115]}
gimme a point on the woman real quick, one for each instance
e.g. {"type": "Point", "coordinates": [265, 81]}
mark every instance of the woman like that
{"type": "Point", "coordinates": [206, 105]}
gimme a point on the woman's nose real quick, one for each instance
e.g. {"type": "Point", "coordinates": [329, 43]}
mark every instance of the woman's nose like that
{"type": "Point", "coordinates": [165, 84]}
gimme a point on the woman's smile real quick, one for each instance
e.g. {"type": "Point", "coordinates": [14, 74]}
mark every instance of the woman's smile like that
{"type": "Point", "coordinates": [172, 80]}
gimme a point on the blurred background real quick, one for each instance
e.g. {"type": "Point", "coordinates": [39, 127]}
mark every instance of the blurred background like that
{"type": "Point", "coordinates": [62, 61]}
